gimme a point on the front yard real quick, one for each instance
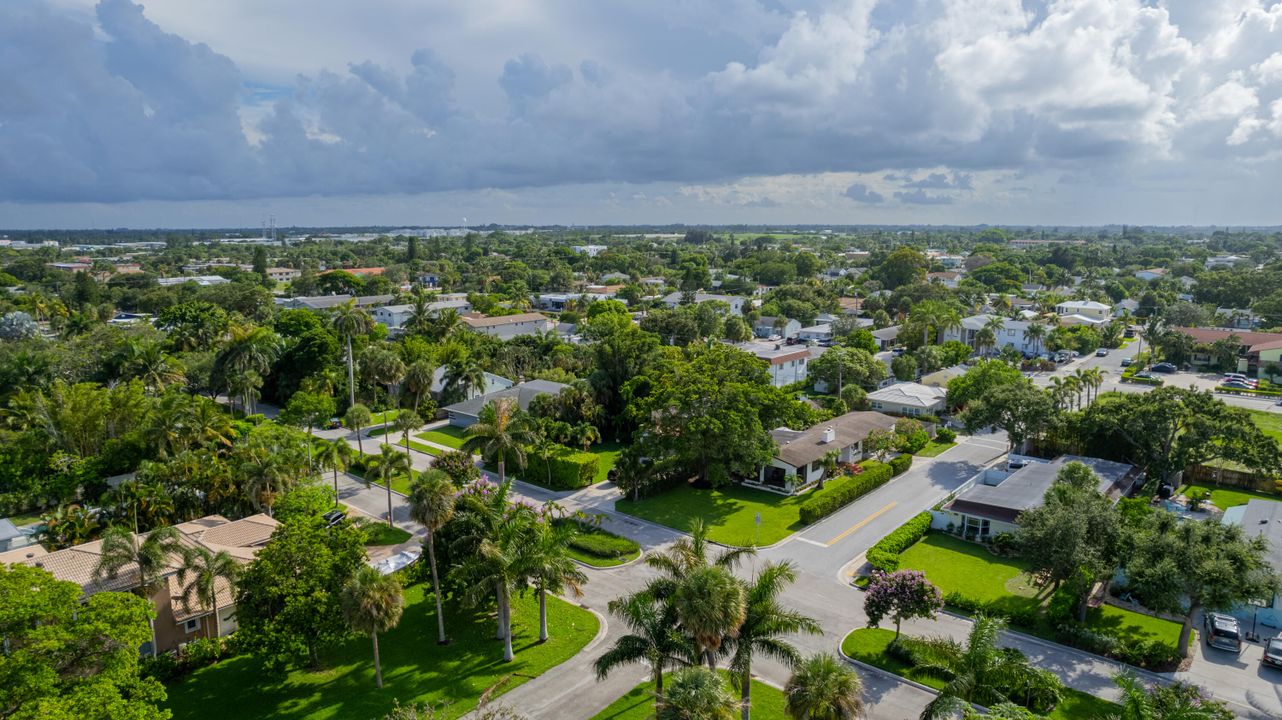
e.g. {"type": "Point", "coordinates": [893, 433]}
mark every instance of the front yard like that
{"type": "Point", "coordinates": [638, 704]}
{"type": "Point", "coordinates": [934, 449]}
{"type": "Point", "coordinates": [447, 435]}
{"type": "Point", "coordinates": [730, 512]}
{"type": "Point", "coordinates": [454, 675]}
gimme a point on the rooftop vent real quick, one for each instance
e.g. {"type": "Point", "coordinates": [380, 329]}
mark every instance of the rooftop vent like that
{"type": "Point", "coordinates": [829, 434]}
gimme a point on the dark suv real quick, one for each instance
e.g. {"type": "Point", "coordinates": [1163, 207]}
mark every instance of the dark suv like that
{"type": "Point", "coordinates": [1222, 632]}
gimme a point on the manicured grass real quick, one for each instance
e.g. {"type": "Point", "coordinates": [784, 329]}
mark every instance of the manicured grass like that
{"type": "Point", "coordinates": [729, 512]}
{"type": "Point", "coordinates": [1227, 497]}
{"type": "Point", "coordinates": [600, 548]}
{"type": "Point", "coordinates": [384, 534]}
{"type": "Point", "coordinates": [868, 645]}
{"type": "Point", "coordinates": [415, 669]}
{"type": "Point", "coordinates": [385, 416]}
{"type": "Point", "coordinates": [638, 704]}
{"type": "Point", "coordinates": [400, 484]}
{"type": "Point", "coordinates": [448, 435]}
{"type": "Point", "coordinates": [1135, 626]}
{"type": "Point", "coordinates": [30, 518]}
{"type": "Point", "coordinates": [600, 562]}
{"type": "Point", "coordinates": [1268, 422]}
{"type": "Point", "coordinates": [607, 453]}
{"type": "Point", "coordinates": [935, 448]}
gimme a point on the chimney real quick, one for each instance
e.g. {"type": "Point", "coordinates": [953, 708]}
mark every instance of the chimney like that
{"type": "Point", "coordinates": [829, 434]}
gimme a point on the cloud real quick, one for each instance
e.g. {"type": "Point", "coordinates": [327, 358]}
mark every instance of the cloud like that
{"type": "Point", "coordinates": [925, 95]}
{"type": "Point", "coordinates": [862, 194]}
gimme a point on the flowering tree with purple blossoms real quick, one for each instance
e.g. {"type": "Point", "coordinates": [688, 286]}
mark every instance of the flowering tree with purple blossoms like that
{"type": "Point", "coordinates": [901, 595]}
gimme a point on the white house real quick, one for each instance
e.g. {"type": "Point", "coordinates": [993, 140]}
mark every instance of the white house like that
{"type": "Point", "coordinates": [1263, 518]}
{"type": "Point", "coordinates": [767, 326]}
{"type": "Point", "coordinates": [736, 303]}
{"type": "Point", "coordinates": [1224, 261]}
{"type": "Point", "coordinates": [508, 326]}
{"type": "Point", "coordinates": [201, 280]}
{"type": "Point", "coordinates": [1097, 311]}
{"type": "Point", "coordinates": [799, 460]}
{"type": "Point", "coordinates": [908, 398]}
{"type": "Point", "coordinates": [948, 278]}
{"type": "Point", "coordinates": [886, 337]}
{"type": "Point", "coordinates": [1011, 333]}
{"type": "Point", "coordinates": [787, 364]}
{"type": "Point", "coordinates": [395, 316]}
{"type": "Point", "coordinates": [589, 250]}
{"type": "Point", "coordinates": [821, 333]}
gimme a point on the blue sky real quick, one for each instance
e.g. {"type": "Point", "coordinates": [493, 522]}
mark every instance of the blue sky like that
{"type": "Point", "coordinates": [197, 113]}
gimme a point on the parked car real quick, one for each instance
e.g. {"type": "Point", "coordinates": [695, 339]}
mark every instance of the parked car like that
{"type": "Point", "coordinates": [1146, 375]}
{"type": "Point", "coordinates": [1222, 632]}
{"type": "Point", "coordinates": [1129, 332]}
{"type": "Point", "coordinates": [1127, 362]}
{"type": "Point", "coordinates": [1273, 653]}
{"type": "Point", "coordinates": [1235, 376]}
{"type": "Point", "coordinates": [1102, 352]}
{"type": "Point", "coordinates": [1236, 385]}
{"type": "Point", "coordinates": [1164, 367]}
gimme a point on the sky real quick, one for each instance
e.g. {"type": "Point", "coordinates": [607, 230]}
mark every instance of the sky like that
{"type": "Point", "coordinates": [191, 113]}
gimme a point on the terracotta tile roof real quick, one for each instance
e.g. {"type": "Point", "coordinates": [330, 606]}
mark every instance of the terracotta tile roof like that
{"type": "Point", "coordinates": [486, 321]}
{"type": "Point", "coordinates": [1248, 338]}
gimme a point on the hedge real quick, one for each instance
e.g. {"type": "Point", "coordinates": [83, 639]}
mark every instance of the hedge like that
{"type": "Point", "coordinates": [900, 463]}
{"type": "Point", "coordinates": [884, 555]}
{"type": "Point", "coordinates": [1247, 391]}
{"type": "Point", "coordinates": [571, 469]}
{"type": "Point", "coordinates": [600, 543]}
{"type": "Point", "coordinates": [1156, 382]}
{"type": "Point", "coordinates": [829, 500]}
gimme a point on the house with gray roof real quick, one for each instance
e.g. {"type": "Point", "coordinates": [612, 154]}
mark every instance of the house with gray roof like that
{"type": "Point", "coordinates": [798, 462]}
{"type": "Point", "coordinates": [1262, 518]}
{"type": "Point", "coordinates": [465, 414]}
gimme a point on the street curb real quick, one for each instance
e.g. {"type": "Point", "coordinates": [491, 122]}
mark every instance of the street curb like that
{"type": "Point", "coordinates": [633, 561]}
{"type": "Point", "coordinates": [881, 671]}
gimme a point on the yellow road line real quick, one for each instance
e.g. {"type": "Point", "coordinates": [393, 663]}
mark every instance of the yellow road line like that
{"type": "Point", "coordinates": [861, 523]}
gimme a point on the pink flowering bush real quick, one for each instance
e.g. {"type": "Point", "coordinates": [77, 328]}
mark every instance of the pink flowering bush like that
{"type": "Point", "coordinates": [901, 595]}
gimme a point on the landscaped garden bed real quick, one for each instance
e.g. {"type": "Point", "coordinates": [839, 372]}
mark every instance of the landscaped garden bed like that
{"type": "Point", "coordinates": [638, 704]}
{"type": "Point", "coordinates": [600, 548]}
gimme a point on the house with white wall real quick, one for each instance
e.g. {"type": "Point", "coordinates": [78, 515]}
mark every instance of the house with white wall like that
{"type": "Point", "coordinates": [1011, 333]}
{"type": "Point", "coordinates": [736, 303]}
{"type": "Point", "coordinates": [908, 398]}
{"type": "Point", "coordinates": [798, 462]}
{"type": "Point", "coordinates": [1090, 309]}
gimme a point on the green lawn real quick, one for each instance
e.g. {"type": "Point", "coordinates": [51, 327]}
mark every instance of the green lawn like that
{"type": "Point", "coordinates": [415, 669]}
{"type": "Point", "coordinates": [400, 484]}
{"type": "Point", "coordinates": [380, 533]}
{"type": "Point", "coordinates": [30, 518]}
{"type": "Point", "coordinates": [868, 645]}
{"type": "Point", "coordinates": [729, 512]}
{"type": "Point", "coordinates": [1269, 422]}
{"type": "Point", "coordinates": [638, 704]}
{"type": "Point", "coordinates": [607, 453]}
{"type": "Point", "coordinates": [600, 548]}
{"type": "Point", "coordinates": [1227, 497]}
{"type": "Point", "coordinates": [448, 435]}
{"type": "Point", "coordinates": [970, 569]}
{"type": "Point", "coordinates": [385, 416]}
{"type": "Point", "coordinates": [935, 448]}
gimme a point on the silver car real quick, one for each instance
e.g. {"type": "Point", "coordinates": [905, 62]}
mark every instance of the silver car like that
{"type": "Point", "coordinates": [1222, 631]}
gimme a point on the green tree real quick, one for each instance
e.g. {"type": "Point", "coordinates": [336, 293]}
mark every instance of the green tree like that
{"type": "Point", "coordinates": [1021, 409]}
{"type": "Point", "coordinates": [432, 506]}
{"type": "Point", "coordinates": [68, 658]}
{"type": "Point", "coordinates": [372, 603]}
{"type": "Point", "coordinates": [358, 416]}
{"type": "Point", "coordinates": [1178, 701]}
{"type": "Point", "coordinates": [900, 267]}
{"type": "Point", "coordinates": [459, 465]}
{"type": "Point", "coordinates": [932, 316]}
{"type": "Point", "coordinates": [654, 639]}
{"type": "Point", "coordinates": [550, 567]}
{"type": "Point", "coordinates": [904, 368]}
{"type": "Point", "coordinates": [1184, 568]}
{"type": "Point", "coordinates": [980, 380]}
{"type": "Point", "coordinates": [499, 562]}
{"type": "Point", "coordinates": [502, 431]}
{"type": "Point", "coordinates": [208, 572]}
{"type": "Point", "coordinates": [286, 605]}
{"type": "Point", "coordinates": [696, 693]}
{"type": "Point", "coordinates": [146, 561]}
{"type": "Point", "coordinates": [840, 366]}
{"type": "Point", "coordinates": [309, 410]}
{"type": "Point", "coordinates": [823, 688]}
{"type": "Point", "coordinates": [901, 595]}
{"type": "Point", "coordinates": [383, 469]}
{"type": "Point", "coordinates": [350, 321]}
{"type": "Point", "coordinates": [711, 605]}
{"type": "Point", "coordinates": [336, 455]}
{"type": "Point", "coordinates": [767, 622]}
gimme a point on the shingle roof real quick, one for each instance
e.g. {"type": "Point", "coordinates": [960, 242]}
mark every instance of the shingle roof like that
{"type": "Point", "coordinates": [1264, 518]}
{"type": "Point", "coordinates": [1248, 338]}
{"type": "Point", "coordinates": [801, 447]}
{"type": "Point", "coordinates": [523, 392]}
{"type": "Point", "coordinates": [909, 393]}
{"type": "Point", "coordinates": [498, 320]}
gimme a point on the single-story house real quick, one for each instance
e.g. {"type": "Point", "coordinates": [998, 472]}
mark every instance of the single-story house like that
{"type": "Point", "coordinates": [767, 326]}
{"type": "Point", "coordinates": [1263, 518]}
{"type": "Point", "coordinates": [1224, 261]}
{"type": "Point", "coordinates": [176, 623]}
{"type": "Point", "coordinates": [1237, 318]}
{"type": "Point", "coordinates": [465, 414]}
{"type": "Point", "coordinates": [493, 384]}
{"type": "Point", "coordinates": [948, 278]}
{"type": "Point", "coordinates": [990, 502]}
{"type": "Point", "coordinates": [201, 280]}
{"type": "Point", "coordinates": [940, 377]}
{"type": "Point", "coordinates": [1150, 274]}
{"type": "Point", "coordinates": [886, 337]}
{"type": "Point", "coordinates": [508, 326]}
{"type": "Point", "coordinates": [908, 398]}
{"type": "Point", "coordinates": [329, 302]}
{"type": "Point", "coordinates": [395, 316]}
{"type": "Point", "coordinates": [816, 333]}
{"type": "Point", "coordinates": [799, 460]}
{"type": "Point", "coordinates": [736, 303]}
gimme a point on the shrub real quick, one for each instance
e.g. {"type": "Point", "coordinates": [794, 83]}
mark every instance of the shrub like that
{"type": "Point", "coordinates": [823, 503]}
{"type": "Point", "coordinates": [884, 555]}
{"type": "Point", "coordinates": [1005, 544]}
{"type": "Point", "coordinates": [945, 435]}
{"type": "Point", "coordinates": [163, 667]}
{"type": "Point", "coordinates": [600, 543]}
{"type": "Point", "coordinates": [201, 652]}
{"type": "Point", "coordinates": [570, 469]}
{"type": "Point", "coordinates": [900, 463]}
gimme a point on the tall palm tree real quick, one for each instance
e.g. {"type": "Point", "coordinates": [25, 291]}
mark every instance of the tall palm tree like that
{"type": "Point", "coordinates": [420, 319]}
{"type": "Point", "coordinates": [499, 565]}
{"type": "Point", "coordinates": [696, 693]}
{"type": "Point", "coordinates": [686, 555]}
{"type": "Point", "coordinates": [248, 354]}
{"type": "Point", "coordinates": [407, 421]}
{"type": "Point", "coordinates": [206, 570]}
{"type": "Point", "coordinates": [934, 314]}
{"type": "Point", "coordinates": [145, 559]}
{"type": "Point", "coordinates": [654, 639]}
{"type": "Point", "coordinates": [823, 688]}
{"type": "Point", "coordinates": [349, 321]}
{"type": "Point", "coordinates": [372, 603]}
{"type": "Point", "coordinates": [432, 502]}
{"type": "Point", "coordinates": [766, 622]}
{"type": "Point", "coordinates": [984, 339]}
{"type": "Point", "coordinates": [149, 362]}
{"type": "Point", "coordinates": [336, 455]}
{"type": "Point", "coordinates": [711, 605]}
{"type": "Point", "coordinates": [1179, 701]}
{"type": "Point", "coordinates": [501, 431]}
{"type": "Point", "coordinates": [585, 435]}
{"type": "Point", "coordinates": [551, 568]}
{"type": "Point", "coordinates": [1036, 332]}
{"type": "Point", "coordinates": [358, 416]}
{"type": "Point", "coordinates": [383, 469]}
{"type": "Point", "coordinates": [462, 376]}
{"type": "Point", "coordinates": [418, 380]}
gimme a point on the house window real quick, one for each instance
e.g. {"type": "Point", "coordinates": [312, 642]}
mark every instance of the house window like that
{"type": "Point", "coordinates": [192, 625]}
{"type": "Point", "coordinates": [976, 527]}
{"type": "Point", "coordinates": [816, 466]}
{"type": "Point", "coordinates": [877, 405]}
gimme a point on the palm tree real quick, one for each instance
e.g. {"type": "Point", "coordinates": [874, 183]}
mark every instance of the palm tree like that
{"type": "Point", "coordinates": [146, 560]}
{"type": "Point", "coordinates": [985, 338]}
{"type": "Point", "coordinates": [823, 688]}
{"type": "Point", "coordinates": [686, 555]}
{"type": "Point", "coordinates": [420, 319]}
{"type": "Point", "coordinates": [157, 370]}
{"type": "Point", "coordinates": [406, 421]}
{"type": "Point", "coordinates": [765, 624]}
{"type": "Point", "coordinates": [502, 431]}
{"type": "Point", "coordinates": [432, 505]}
{"type": "Point", "coordinates": [349, 321]}
{"type": "Point", "coordinates": [358, 416]}
{"type": "Point", "coordinates": [383, 469]}
{"type": "Point", "coordinates": [499, 563]}
{"type": "Point", "coordinates": [980, 672]}
{"type": "Point", "coordinates": [336, 455]}
{"type": "Point", "coordinates": [654, 639]}
{"type": "Point", "coordinates": [711, 604]}
{"type": "Point", "coordinates": [934, 314]}
{"type": "Point", "coordinates": [696, 694]}
{"type": "Point", "coordinates": [372, 603]}
{"type": "Point", "coordinates": [418, 379]}
{"type": "Point", "coordinates": [206, 570]}
{"type": "Point", "coordinates": [586, 434]}
{"type": "Point", "coordinates": [1179, 701]}
{"type": "Point", "coordinates": [1036, 332]}
{"type": "Point", "coordinates": [551, 568]}
{"type": "Point", "coordinates": [247, 356]}
{"type": "Point", "coordinates": [461, 377]}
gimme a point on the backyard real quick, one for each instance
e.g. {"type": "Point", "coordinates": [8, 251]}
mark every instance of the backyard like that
{"type": "Point", "coordinates": [956, 565]}
{"type": "Point", "coordinates": [453, 437]}
{"type": "Point", "coordinates": [1227, 497]}
{"type": "Point", "coordinates": [638, 704]}
{"type": "Point", "coordinates": [868, 645]}
{"type": "Point", "coordinates": [1268, 422]}
{"type": "Point", "coordinates": [455, 675]}
{"type": "Point", "coordinates": [729, 512]}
